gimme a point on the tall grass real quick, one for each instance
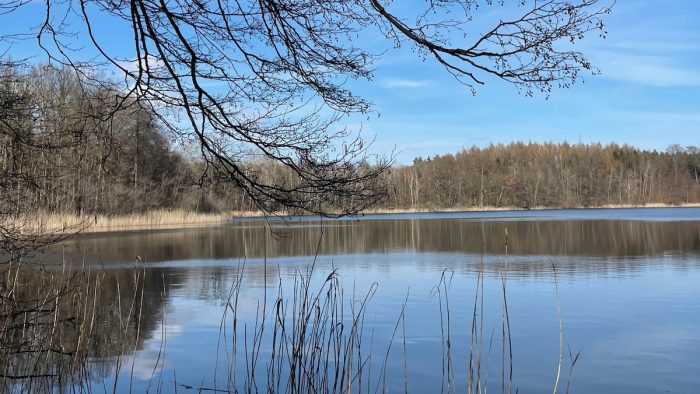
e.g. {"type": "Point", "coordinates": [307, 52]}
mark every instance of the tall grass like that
{"type": "Point", "coordinates": [56, 333]}
{"type": "Point", "coordinates": [51, 223]}
{"type": "Point", "coordinates": [160, 219]}
{"type": "Point", "coordinates": [46, 318]}
{"type": "Point", "coordinates": [307, 336]}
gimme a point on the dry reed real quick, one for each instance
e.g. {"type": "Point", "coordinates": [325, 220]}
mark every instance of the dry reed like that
{"type": "Point", "coordinates": [51, 223]}
{"type": "Point", "coordinates": [161, 219]}
{"type": "Point", "coordinates": [307, 338]}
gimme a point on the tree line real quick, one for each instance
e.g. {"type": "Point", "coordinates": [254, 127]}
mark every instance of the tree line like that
{"type": "Point", "coordinates": [70, 147]}
{"type": "Point", "coordinates": [236, 105]}
{"type": "Point", "coordinates": [63, 149]}
{"type": "Point", "coordinates": [528, 175]}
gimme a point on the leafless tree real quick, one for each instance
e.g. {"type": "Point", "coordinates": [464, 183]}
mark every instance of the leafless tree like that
{"type": "Point", "coordinates": [267, 78]}
{"type": "Point", "coordinates": [547, 175]}
{"type": "Point", "coordinates": [23, 145]}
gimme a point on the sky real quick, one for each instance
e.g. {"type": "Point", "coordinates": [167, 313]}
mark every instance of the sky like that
{"type": "Point", "coordinates": [646, 95]}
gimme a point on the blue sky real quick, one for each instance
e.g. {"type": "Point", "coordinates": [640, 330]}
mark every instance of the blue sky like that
{"type": "Point", "coordinates": [647, 94]}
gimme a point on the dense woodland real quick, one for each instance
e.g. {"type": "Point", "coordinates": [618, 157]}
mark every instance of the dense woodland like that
{"type": "Point", "coordinates": [63, 151]}
{"type": "Point", "coordinates": [548, 175]}
{"type": "Point", "coordinates": [77, 148]}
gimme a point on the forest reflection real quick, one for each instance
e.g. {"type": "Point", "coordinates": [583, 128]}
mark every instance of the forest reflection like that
{"type": "Point", "coordinates": [65, 329]}
{"type": "Point", "coordinates": [610, 239]}
{"type": "Point", "coordinates": [135, 304]}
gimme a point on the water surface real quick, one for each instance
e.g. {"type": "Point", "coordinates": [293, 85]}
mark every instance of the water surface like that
{"type": "Point", "coordinates": [627, 282]}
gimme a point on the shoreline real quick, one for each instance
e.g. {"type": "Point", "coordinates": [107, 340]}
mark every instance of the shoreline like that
{"type": "Point", "coordinates": [383, 211]}
{"type": "Point", "coordinates": [178, 219]}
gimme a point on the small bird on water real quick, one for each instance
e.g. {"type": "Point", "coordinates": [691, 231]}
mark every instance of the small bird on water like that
{"type": "Point", "coordinates": [137, 260]}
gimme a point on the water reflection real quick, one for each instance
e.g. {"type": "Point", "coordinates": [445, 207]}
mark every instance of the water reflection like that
{"type": "Point", "coordinates": [605, 239]}
{"type": "Point", "coordinates": [64, 329]}
{"type": "Point", "coordinates": [628, 292]}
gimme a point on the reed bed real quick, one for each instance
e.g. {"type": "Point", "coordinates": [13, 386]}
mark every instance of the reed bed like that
{"type": "Point", "coordinates": [52, 223]}
{"type": "Point", "coordinates": [317, 340]}
{"type": "Point", "coordinates": [161, 219]}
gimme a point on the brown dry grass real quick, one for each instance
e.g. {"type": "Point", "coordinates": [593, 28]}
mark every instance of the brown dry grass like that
{"type": "Point", "coordinates": [161, 219]}
{"type": "Point", "coordinates": [42, 222]}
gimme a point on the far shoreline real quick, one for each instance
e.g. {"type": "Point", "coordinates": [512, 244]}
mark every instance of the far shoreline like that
{"type": "Point", "coordinates": [178, 219]}
{"type": "Point", "coordinates": [384, 211]}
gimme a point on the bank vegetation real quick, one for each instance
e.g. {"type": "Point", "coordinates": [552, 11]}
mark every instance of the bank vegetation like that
{"type": "Point", "coordinates": [67, 161]}
{"type": "Point", "coordinates": [548, 175]}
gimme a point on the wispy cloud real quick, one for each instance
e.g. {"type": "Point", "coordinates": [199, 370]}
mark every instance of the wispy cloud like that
{"type": "Point", "coordinates": [650, 70]}
{"type": "Point", "coordinates": [152, 62]}
{"type": "Point", "coordinates": [672, 46]}
{"type": "Point", "coordinates": [650, 48]}
{"type": "Point", "coordinates": [422, 147]}
{"type": "Point", "coordinates": [658, 129]}
{"type": "Point", "coordinates": [687, 118]}
{"type": "Point", "coordinates": [400, 83]}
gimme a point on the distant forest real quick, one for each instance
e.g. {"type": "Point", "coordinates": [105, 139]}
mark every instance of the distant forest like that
{"type": "Point", "coordinates": [62, 151]}
{"type": "Point", "coordinates": [548, 175]}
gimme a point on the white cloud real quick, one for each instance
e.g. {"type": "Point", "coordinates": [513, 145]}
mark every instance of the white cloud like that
{"type": "Point", "coordinates": [659, 71]}
{"type": "Point", "coordinates": [154, 63]}
{"type": "Point", "coordinates": [429, 146]}
{"type": "Point", "coordinates": [399, 83]}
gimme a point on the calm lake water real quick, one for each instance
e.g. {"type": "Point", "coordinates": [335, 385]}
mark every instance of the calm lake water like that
{"type": "Point", "coordinates": [628, 285]}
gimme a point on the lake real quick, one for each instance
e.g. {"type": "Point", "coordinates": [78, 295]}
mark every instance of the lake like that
{"type": "Point", "coordinates": [425, 292]}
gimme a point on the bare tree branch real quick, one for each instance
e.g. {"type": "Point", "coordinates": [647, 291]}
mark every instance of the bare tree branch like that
{"type": "Point", "coordinates": [267, 78]}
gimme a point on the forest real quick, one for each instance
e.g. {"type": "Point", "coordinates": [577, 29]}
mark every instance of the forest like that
{"type": "Point", "coordinates": [63, 150]}
{"type": "Point", "coordinates": [531, 175]}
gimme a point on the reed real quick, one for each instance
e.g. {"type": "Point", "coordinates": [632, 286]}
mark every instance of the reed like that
{"type": "Point", "coordinates": [312, 343]}
{"type": "Point", "coordinates": [40, 314]}
{"type": "Point", "coordinates": [161, 219]}
{"type": "Point", "coordinates": [307, 336]}
{"type": "Point", "coordinates": [56, 334]}
{"type": "Point", "coordinates": [48, 224]}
